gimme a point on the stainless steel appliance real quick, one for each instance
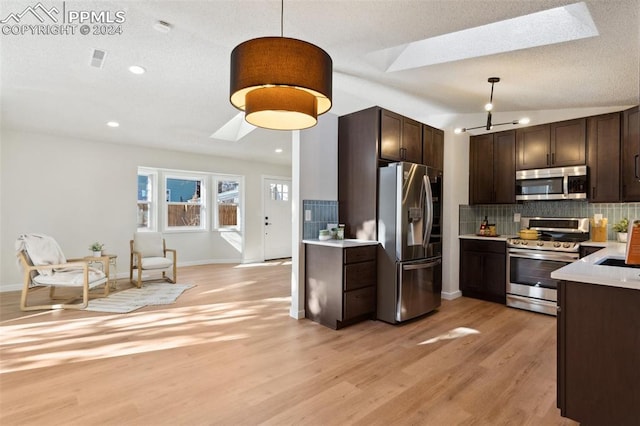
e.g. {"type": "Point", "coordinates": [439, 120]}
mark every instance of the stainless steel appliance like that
{"type": "Point", "coordinates": [409, 232]}
{"type": "Point", "coordinates": [560, 183]}
{"type": "Point", "coordinates": [530, 262]}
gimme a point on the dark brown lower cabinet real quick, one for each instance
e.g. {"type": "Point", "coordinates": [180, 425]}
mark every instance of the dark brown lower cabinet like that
{"type": "Point", "coordinates": [587, 250]}
{"type": "Point", "coordinates": [599, 354]}
{"type": "Point", "coordinates": [483, 270]}
{"type": "Point", "coordinates": [340, 284]}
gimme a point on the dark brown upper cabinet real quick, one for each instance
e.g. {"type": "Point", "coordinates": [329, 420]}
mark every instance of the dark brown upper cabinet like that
{"type": "Point", "coordinates": [492, 168]}
{"type": "Point", "coordinates": [603, 157]}
{"type": "Point", "coordinates": [630, 190]}
{"type": "Point", "coordinates": [400, 138]}
{"type": "Point", "coordinates": [433, 147]}
{"type": "Point", "coordinates": [552, 145]}
{"type": "Point", "coordinates": [368, 139]}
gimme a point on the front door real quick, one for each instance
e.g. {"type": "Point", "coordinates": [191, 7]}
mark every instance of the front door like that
{"type": "Point", "coordinates": [277, 218]}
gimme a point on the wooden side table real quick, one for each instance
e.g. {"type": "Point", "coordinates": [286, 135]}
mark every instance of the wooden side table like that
{"type": "Point", "coordinates": [109, 265]}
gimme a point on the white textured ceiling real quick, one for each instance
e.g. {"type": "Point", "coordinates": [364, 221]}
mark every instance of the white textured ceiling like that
{"type": "Point", "coordinates": [48, 86]}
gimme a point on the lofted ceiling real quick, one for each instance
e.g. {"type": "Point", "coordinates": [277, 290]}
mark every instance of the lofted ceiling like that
{"type": "Point", "coordinates": [47, 84]}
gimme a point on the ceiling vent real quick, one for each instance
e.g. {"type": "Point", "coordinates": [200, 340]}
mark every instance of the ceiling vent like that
{"type": "Point", "coordinates": [97, 58]}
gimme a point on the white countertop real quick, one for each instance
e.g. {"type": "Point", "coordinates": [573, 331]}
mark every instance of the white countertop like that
{"type": "Point", "coordinates": [341, 243]}
{"type": "Point", "coordinates": [587, 270]}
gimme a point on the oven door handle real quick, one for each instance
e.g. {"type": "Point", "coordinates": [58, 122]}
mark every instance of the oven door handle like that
{"type": "Point", "coordinates": [561, 257]}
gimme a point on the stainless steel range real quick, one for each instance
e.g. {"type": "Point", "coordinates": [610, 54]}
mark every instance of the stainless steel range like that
{"type": "Point", "coordinates": [530, 262]}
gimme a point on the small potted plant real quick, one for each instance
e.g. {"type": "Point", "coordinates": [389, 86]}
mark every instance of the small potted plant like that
{"type": "Point", "coordinates": [96, 248]}
{"type": "Point", "coordinates": [621, 228]}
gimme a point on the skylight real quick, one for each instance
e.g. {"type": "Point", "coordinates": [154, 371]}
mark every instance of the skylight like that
{"type": "Point", "coordinates": [557, 25]}
{"type": "Point", "coordinates": [234, 130]}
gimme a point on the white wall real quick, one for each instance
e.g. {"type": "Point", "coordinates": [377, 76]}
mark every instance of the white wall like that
{"type": "Point", "coordinates": [455, 192]}
{"type": "Point", "coordinates": [319, 160]}
{"type": "Point", "coordinates": [315, 177]}
{"type": "Point", "coordinates": [81, 191]}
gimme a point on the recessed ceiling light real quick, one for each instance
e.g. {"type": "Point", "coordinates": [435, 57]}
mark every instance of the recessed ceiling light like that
{"type": "Point", "coordinates": [113, 124]}
{"type": "Point", "coordinates": [137, 69]}
{"type": "Point", "coordinates": [162, 27]}
{"type": "Point", "coordinates": [278, 150]}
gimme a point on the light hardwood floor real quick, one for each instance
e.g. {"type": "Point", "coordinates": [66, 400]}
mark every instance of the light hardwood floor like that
{"type": "Point", "coordinates": [227, 353]}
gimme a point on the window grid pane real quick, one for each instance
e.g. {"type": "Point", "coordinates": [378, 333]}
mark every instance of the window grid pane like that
{"type": "Point", "coordinates": [184, 215]}
{"type": "Point", "coordinates": [279, 192]}
{"type": "Point", "coordinates": [184, 203]}
{"type": "Point", "coordinates": [228, 200]}
{"type": "Point", "coordinates": [182, 190]}
{"type": "Point", "coordinates": [143, 215]}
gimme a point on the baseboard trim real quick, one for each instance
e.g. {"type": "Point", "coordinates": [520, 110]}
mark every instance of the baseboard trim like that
{"type": "Point", "coordinates": [452, 295]}
{"type": "Point", "coordinates": [297, 315]}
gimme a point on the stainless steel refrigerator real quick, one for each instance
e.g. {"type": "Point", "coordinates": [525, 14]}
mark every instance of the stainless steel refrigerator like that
{"type": "Point", "coordinates": [409, 232]}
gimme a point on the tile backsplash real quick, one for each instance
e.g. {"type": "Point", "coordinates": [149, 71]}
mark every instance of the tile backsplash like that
{"type": "Point", "coordinates": [322, 213]}
{"type": "Point", "coordinates": [502, 214]}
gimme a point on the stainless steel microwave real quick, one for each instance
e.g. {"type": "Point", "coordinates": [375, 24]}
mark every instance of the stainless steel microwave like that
{"type": "Point", "coordinates": [559, 183]}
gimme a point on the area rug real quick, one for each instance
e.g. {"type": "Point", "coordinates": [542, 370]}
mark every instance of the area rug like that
{"type": "Point", "coordinates": [135, 298]}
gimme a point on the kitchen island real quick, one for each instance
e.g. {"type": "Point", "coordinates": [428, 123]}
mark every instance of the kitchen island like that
{"type": "Point", "coordinates": [589, 270]}
{"type": "Point", "coordinates": [599, 339]}
{"type": "Point", "coordinates": [340, 281]}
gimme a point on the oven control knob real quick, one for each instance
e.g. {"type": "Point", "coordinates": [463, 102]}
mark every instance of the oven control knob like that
{"type": "Point", "coordinates": [556, 244]}
{"type": "Point", "coordinates": [566, 245]}
{"type": "Point", "coordinates": [524, 243]}
{"type": "Point", "coordinates": [540, 243]}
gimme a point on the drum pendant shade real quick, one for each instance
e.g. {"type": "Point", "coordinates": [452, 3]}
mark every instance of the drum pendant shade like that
{"type": "Point", "coordinates": [281, 83]}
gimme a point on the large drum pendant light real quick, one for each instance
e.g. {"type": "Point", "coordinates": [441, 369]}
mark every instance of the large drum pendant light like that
{"type": "Point", "coordinates": [281, 83]}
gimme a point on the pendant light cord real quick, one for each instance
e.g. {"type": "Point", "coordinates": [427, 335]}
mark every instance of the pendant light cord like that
{"type": "Point", "coordinates": [281, 18]}
{"type": "Point", "coordinates": [491, 97]}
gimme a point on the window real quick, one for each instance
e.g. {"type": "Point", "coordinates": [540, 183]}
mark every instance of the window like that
{"type": "Point", "coordinates": [228, 206]}
{"type": "Point", "coordinates": [185, 203]}
{"type": "Point", "coordinates": [279, 192]}
{"type": "Point", "coordinates": [146, 208]}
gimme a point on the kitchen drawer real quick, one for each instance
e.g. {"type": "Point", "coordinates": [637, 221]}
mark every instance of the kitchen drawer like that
{"type": "Point", "coordinates": [358, 275]}
{"type": "Point", "coordinates": [359, 302]}
{"type": "Point", "coordinates": [360, 254]}
{"type": "Point", "coordinates": [483, 246]}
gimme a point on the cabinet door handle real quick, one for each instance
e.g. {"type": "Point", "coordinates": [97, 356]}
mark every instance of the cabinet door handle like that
{"type": "Point", "coordinates": [593, 192]}
{"type": "Point", "coordinates": [635, 166]}
{"type": "Point", "coordinates": [553, 158]}
{"type": "Point", "coordinates": [548, 160]}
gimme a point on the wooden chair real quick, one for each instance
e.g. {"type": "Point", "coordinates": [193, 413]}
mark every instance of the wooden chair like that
{"type": "Point", "coordinates": [69, 273]}
{"type": "Point", "coordinates": [149, 253]}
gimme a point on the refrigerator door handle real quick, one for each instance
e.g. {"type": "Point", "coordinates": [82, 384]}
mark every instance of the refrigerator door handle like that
{"type": "Point", "coordinates": [414, 266]}
{"type": "Point", "coordinates": [428, 210]}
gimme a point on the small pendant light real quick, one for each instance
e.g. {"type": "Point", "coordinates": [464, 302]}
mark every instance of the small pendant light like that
{"type": "Point", "coordinates": [281, 83]}
{"type": "Point", "coordinates": [489, 107]}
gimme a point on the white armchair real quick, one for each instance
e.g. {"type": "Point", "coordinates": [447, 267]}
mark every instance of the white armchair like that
{"type": "Point", "coordinates": [149, 253]}
{"type": "Point", "coordinates": [44, 265]}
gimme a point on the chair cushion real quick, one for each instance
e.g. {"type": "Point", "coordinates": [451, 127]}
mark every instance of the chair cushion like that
{"type": "Point", "coordinates": [156, 263]}
{"type": "Point", "coordinates": [149, 244]}
{"type": "Point", "coordinates": [71, 278]}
